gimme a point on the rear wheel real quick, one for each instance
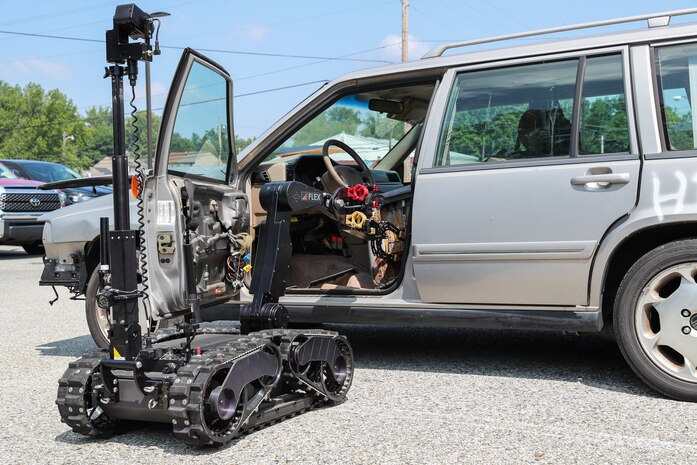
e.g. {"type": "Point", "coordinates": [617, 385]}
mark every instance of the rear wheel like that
{"type": "Point", "coordinates": [655, 319]}
{"type": "Point", "coordinates": [99, 320]}
{"type": "Point", "coordinates": [34, 249]}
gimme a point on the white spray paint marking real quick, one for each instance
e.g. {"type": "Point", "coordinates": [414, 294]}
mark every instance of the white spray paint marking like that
{"type": "Point", "coordinates": [677, 197]}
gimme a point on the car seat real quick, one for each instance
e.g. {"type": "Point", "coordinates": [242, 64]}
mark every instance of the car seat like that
{"type": "Point", "coordinates": [543, 133]}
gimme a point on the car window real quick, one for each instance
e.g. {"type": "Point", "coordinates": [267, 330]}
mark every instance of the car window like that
{"type": "Point", "coordinates": [199, 145]}
{"type": "Point", "coordinates": [371, 134]}
{"type": "Point", "coordinates": [509, 113]}
{"type": "Point", "coordinates": [603, 122]}
{"type": "Point", "coordinates": [49, 173]}
{"type": "Point", "coordinates": [6, 173]}
{"type": "Point", "coordinates": [677, 81]}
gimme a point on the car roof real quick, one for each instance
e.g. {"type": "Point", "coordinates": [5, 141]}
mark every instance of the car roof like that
{"type": "Point", "coordinates": [548, 47]}
{"type": "Point", "coordinates": [433, 68]}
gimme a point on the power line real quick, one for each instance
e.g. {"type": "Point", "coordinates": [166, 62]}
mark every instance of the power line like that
{"type": "Point", "coordinates": [323, 81]}
{"type": "Point", "coordinates": [267, 73]}
{"type": "Point", "coordinates": [54, 14]}
{"type": "Point", "coordinates": [304, 18]}
{"type": "Point", "coordinates": [237, 52]}
{"type": "Point", "coordinates": [276, 55]}
{"type": "Point", "coordinates": [109, 117]}
{"type": "Point", "coordinates": [30, 19]}
{"type": "Point", "coordinates": [47, 36]}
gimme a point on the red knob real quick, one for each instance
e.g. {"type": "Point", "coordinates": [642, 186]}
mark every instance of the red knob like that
{"type": "Point", "coordinates": [358, 192]}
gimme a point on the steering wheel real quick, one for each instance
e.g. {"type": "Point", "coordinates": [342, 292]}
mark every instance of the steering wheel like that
{"type": "Point", "coordinates": [334, 171]}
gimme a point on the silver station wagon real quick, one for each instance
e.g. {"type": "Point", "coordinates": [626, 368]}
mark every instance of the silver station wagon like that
{"type": "Point", "coordinates": [550, 186]}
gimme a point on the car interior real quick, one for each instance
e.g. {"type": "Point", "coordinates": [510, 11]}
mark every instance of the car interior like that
{"type": "Point", "coordinates": [383, 128]}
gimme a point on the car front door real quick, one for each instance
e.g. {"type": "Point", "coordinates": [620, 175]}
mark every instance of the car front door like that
{"type": "Point", "coordinates": [194, 218]}
{"type": "Point", "coordinates": [530, 165]}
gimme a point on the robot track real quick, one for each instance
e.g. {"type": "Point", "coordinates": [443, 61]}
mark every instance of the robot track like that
{"type": "Point", "coordinates": [233, 387]}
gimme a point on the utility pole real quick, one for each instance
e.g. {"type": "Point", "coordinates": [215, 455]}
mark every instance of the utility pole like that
{"type": "Point", "coordinates": [406, 167]}
{"type": "Point", "coordinates": [220, 139]}
{"type": "Point", "coordinates": [405, 30]}
{"type": "Point", "coordinates": [64, 150]}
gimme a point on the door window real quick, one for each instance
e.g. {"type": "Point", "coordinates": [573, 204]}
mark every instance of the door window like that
{"type": "Point", "coordinates": [603, 126]}
{"type": "Point", "coordinates": [509, 113]}
{"type": "Point", "coordinates": [677, 82]}
{"type": "Point", "coordinates": [200, 147]}
{"type": "Point", "coordinates": [526, 112]}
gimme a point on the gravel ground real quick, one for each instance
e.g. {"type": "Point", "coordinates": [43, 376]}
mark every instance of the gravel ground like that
{"type": "Point", "coordinates": [419, 396]}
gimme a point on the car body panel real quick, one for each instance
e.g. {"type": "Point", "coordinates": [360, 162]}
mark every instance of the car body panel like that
{"type": "Point", "coordinates": [212, 207]}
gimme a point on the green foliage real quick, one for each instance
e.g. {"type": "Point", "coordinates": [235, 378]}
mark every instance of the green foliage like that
{"type": "Point", "coordinates": [379, 127]}
{"type": "Point", "coordinates": [98, 141]}
{"type": "Point", "coordinates": [604, 126]}
{"type": "Point", "coordinates": [492, 132]}
{"type": "Point", "coordinates": [141, 125]}
{"type": "Point", "coordinates": [330, 123]}
{"type": "Point", "coordinates": [32, 123]}
{"type": "Point", "coordinates": [680, 132]}
{"type": "Point", "coordinates": [484, 132]}
{"type": "Point", "coordinates": [241, 143]}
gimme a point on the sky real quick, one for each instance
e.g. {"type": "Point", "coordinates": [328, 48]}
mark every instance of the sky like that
{"type": "Point", "coordinates": [319, 41]}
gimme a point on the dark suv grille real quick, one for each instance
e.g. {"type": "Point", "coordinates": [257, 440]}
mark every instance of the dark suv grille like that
{"type": "Point", "coordinates": [32, 202]}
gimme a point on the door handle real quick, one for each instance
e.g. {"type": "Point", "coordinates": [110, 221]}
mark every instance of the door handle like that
{"type": "Point", "coordinates": [603, 179]}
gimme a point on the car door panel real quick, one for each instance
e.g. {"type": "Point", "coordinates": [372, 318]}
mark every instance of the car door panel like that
{"type": "Point", "coordinates": [193, 210]}
{"type": "Point", "coordinates": [520, 232]}
{"type": "Point", "coordinates": [520, 242]}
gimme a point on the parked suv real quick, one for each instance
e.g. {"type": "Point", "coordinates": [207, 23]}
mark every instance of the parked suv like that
{"type": "Point", "coordinates": [553, 187]}
{"type": "Point", "coordinates": [21, 205]}
{"type": "Point", "coordinates": [49, 172]}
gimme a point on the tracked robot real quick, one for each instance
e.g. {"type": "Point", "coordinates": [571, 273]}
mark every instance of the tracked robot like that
{"type": "Point", "coordinates": [210, 386]}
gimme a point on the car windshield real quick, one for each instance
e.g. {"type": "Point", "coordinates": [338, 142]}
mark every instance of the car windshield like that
{"type": "Point", "coordinates": [50, 172]}
{"type": "Point", "coordinates": [370, 133]}
{"type": "Point", "coordinates": [5, 173]}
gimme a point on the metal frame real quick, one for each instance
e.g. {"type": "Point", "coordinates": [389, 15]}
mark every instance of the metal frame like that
{"type": "Point", "coordinates": [653, 19]}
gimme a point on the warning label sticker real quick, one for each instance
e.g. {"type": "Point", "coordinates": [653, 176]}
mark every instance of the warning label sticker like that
{"type": "Point", "coordinates": [165, 212]}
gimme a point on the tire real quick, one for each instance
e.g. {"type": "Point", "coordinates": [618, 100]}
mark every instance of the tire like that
{"type": "Point", "coordinates": [99, 322]}
{"type": "Point", "coordinates": [34, 249]}
{"type": "Point", "coordinates": [655, 319]}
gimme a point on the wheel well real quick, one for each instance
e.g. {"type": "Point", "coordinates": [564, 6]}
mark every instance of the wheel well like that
{"type": "Point", "coordinates": [91, 258]}
{"type": "Point", "coordinates": [633, 248]}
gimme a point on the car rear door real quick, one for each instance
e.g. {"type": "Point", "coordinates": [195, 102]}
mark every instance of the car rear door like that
{"type": "Point", "coordinates": [192, 211]}
{"type": "Point", "coordinates": [499, 219]}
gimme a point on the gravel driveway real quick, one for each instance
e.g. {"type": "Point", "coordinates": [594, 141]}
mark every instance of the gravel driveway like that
{"type": "Point", "coordinates": [419, 396]}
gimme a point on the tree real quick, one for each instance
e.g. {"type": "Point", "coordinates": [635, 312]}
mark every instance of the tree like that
{"type": "Point", "coordinates": [381, 127]}
{"type": "Point", "coordinates": [141, 125]}
{"type": "Point", "coordinates": [98, 141]}
{"type": "Point", "coordinates": [604, 126]}
{"type": "Point", "coordinates": [330, 123]}
{"type": "Point", "coordinates": [242, 143]}
{"type": "Point", "coordinates": [32, 123]}
{"type": "Point", "coordinates": [680, 133]}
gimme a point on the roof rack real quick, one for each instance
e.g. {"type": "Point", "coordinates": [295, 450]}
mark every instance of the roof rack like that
{"type": "Point", "coordinates": [653, 19]}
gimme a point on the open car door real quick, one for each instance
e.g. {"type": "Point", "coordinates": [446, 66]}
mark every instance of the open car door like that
{"type": "Point", "coordinates": [193, 215]}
